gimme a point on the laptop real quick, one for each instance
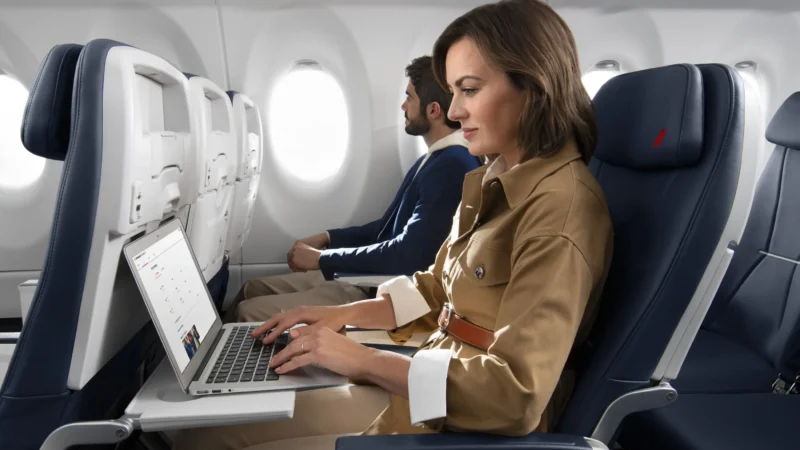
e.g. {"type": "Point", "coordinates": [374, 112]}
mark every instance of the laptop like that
{"type": "Point", "coordinates": [208, 357]}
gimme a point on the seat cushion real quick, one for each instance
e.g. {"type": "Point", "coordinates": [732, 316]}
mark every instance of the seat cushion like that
{"type": "Point", "coordinates": [716, 421]}
{"type": "Point", "coordinates": [716, 364]}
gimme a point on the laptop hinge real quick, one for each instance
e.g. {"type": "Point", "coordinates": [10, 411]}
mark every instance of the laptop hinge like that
{"type": "Point", "coordinates": [213, 347]}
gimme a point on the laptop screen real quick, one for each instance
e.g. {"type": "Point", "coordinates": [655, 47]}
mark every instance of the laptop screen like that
{"type": "Point", "coordinates": [177, 295]}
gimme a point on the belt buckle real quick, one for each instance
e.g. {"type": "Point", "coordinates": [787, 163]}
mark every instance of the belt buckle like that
{"type": "Point", "coordinates": [448, 311]}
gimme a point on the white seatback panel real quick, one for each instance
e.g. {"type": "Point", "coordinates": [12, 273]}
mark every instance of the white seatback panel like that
{"type": "Point", "coordinates": [209, 219]}
{"type": "Point", "coordinates": [216, 140]}
{"type": "Point", "coordinates": [247, 122]}
{"type": "Point", "coordinates": [148, 174]}
{"type": "Point", "coordinates": [216, 158]}
{"type": "Point", "coordinates": [150, 130]}
{"type": "Point", "coordinates": [244, 199]}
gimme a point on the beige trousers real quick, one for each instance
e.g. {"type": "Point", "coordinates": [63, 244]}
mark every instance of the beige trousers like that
{"type": "Point", "coordinates": [260, 299]}
{"type": "Point", "coordinates": [317, 422]}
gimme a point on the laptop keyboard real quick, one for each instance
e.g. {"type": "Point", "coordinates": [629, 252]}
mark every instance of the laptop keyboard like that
{"type": "Point", "coordinates": [244, 359]}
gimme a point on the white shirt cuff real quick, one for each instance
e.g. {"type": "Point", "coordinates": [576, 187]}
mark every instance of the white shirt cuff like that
{"type": "Point", "coordinates": [427, 385]}
{"type": "Point", "coordinates": [407, 302]}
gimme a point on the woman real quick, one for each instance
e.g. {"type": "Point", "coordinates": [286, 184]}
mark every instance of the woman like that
{"type": "Point", "coordinates": [514, 287]}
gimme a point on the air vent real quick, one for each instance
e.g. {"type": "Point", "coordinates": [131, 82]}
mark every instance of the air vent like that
{"type": "Point", "coordinates": [306, 64]}
{"type": "Point", "coordinates": [607, 64]}
{"type": "Point", "coordinates": [746, 65]}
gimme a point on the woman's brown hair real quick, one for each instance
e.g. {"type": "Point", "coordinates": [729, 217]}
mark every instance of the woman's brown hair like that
{"type": "Point", "coordinates": [528, 41]}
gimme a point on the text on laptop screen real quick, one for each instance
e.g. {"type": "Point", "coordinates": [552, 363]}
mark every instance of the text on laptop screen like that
{"type": "Point", "coordinates": [178, 297]}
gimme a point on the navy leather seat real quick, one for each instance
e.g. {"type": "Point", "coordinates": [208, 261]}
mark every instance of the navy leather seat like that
{"type": "Point", "coordinates": [758, 303]}
{"type": "Point", "coordinates": [717, 421]}
{"type": "Point", "coordinates": [63, 125]}
{"type": "Point", "coordinates": [718, 364]}
{"type": "Point", "coordinates": [752, 331]}
{"type": "Point", "coordinates": [668, 158]}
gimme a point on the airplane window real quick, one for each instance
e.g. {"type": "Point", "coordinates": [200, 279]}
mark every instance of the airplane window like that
{"type": "Point", "coordinates": [595, 79]}
{"type": "Point", "coordinates": [18, 167]}
{"type": "Point", "coordinates": [599, 75]}
{"type": "Point", "coordinates": [308, 123]}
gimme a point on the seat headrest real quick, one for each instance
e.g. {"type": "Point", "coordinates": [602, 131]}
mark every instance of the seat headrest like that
{"type": "Point", "coordinates": [46, 123]}
{"type": "Point", "coordinates": [651, 119]}
{"type": "Point", "coordinates": [784, 128]}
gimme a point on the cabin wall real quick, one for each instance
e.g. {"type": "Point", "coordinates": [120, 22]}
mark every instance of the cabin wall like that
{"type": "Point", "coordinates": [249, 46]}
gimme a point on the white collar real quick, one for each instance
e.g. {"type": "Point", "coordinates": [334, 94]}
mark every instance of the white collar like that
{"type": "Point", "coordinates": [454, 138]}
{"type": "Point", "coordinates": [497, 168]}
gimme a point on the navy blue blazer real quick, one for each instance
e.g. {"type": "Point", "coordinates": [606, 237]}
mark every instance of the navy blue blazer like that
{"type": "Point", "coordinates": [408, 236]}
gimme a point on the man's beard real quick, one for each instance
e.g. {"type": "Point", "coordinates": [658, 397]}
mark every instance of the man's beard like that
{"type": "Point", "coordinates": [418, 126]}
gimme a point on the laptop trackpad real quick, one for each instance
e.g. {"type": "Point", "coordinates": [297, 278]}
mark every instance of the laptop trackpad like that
{"type": "Point", "coordinates": [311, 376]}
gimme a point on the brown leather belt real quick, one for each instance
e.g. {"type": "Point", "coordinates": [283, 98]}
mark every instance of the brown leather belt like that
{"type": "Point", "coordinates": [453, 324]}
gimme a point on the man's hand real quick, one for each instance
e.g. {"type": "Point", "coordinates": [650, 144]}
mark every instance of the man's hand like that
{"type": "Point", "coordinates": [302, 257]}
{"type": "Point", "coordinates": [317, 241]}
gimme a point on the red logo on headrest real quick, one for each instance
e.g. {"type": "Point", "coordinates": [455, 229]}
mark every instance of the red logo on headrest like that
{"type": "Point", "coordinates": [659, 138]}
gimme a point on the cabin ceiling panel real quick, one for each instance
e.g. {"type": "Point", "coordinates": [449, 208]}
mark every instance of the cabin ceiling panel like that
{"type": "Point", "coordinates": [678, 4]}
{"type": "Point", "coordinates": [178, 34]}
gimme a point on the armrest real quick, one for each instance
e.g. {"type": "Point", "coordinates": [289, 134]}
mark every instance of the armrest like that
{"type": "Point", "coordinates": [9, 338]}
{"type": "Point", "coordinates": [469, 441]}
{"type": "Point", "coordinates": [401, 349]}
{"type": "Point", "coordinates": [355, 328]}
{"type": "Point", "coordinates": [363, 279]}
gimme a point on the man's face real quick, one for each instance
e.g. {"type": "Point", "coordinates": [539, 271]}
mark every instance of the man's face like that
{"type": "Point", "coordinates": [417, 123]}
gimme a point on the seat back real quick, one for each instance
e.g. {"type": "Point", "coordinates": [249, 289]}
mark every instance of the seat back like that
{"type": "Point", "coordinates": [247, 123]}
{"type": "Point", "coordinates": [209, 217]}
{"type": "Point", "coordinates": [758, 303]}
{"type": "Point", "coordinates": [25, 420]}
{"type": "Point", "coordinates": [80, 350]}
{"type": "Point", "coordinates": [669, 159]}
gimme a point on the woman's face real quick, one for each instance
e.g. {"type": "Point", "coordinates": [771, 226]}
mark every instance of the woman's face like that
{"type": "Point", "coordinates": [485, 102]}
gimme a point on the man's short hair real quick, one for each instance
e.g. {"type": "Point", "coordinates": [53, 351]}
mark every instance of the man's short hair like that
{"type": "Point", "coordinates": [420, 72]}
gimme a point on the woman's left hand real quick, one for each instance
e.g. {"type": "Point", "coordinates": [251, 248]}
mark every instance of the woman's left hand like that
{"type": "Point", "coordinates": [326, 348]}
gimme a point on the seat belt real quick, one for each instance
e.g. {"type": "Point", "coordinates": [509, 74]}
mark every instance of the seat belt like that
{"type": "Point", "coordinates": [783, 387]}
{"type": "Point", "coordinates": [787, 385]}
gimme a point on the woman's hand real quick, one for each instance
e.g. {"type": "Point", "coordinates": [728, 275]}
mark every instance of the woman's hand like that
{"type": "Point", "coordinates": [373, 314]}
{"type": "Point", "coordinates": [317, 317]}
{"type": "Point", "coordinates": [325, 348]}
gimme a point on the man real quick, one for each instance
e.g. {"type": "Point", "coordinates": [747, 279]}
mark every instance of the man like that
{"type": "Point", "coordinates": [403, 241]}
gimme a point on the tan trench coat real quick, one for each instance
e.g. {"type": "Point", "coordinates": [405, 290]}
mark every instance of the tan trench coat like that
{"type": "Point", "coordinates": [527, 257]}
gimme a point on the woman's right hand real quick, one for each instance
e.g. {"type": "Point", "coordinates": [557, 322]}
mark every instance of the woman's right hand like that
{"type": "Point", "coordinates": [333, 317]}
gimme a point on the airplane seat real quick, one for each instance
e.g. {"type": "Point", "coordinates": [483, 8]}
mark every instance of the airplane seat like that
{"type": "Point", "coordinates": [669, 159]}
{"type": "Point", "coordinates": [679, 185]}
{"type": "Point", "coordinates": [209, 217]}
{"type": "Point", "coordinates": [119, 119]}
{"type": "Point", "coordinates": [752, 331]}
{"type": "Point", "coordinates": [758, 305]}
{"type": "Point", "coordinates": [249, 148]}
{"type": "Point", "coordinates": [34, 397]}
